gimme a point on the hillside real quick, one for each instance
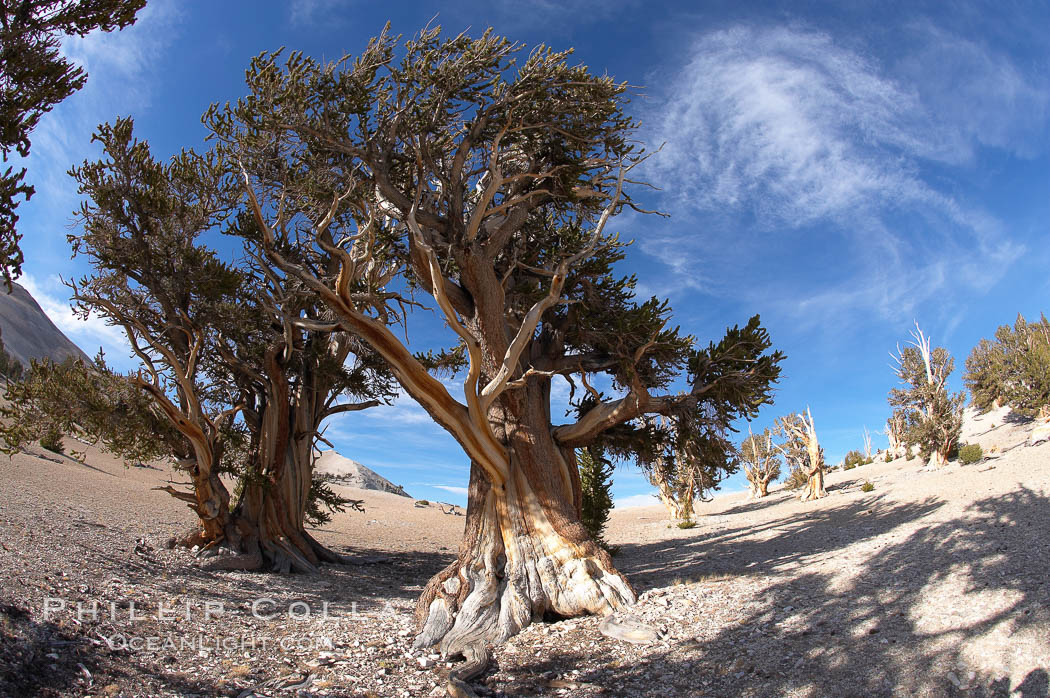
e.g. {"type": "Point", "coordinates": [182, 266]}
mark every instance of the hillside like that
{"type": "Point", "coordinates": [350, 473]}
{"type": "Point", "coordinates": [932, 584]}
{"type": "Point", "coordinates": [28, 333]}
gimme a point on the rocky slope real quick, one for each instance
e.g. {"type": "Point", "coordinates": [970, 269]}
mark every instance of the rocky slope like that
{"type": "Point", "coordinates": [28, 333]}
{"type": "Point", "coordinates": [933, 583]}
{"type": "Point", "coordinates": [350, 473]}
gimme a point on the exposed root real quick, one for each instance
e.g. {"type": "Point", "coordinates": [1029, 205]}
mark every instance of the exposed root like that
{"type": "Point", "coordinates": [233, 562]}
{"type": "Point", "coordinates": [325, 554]}
{"type": "Point", "coordinates": [477, 656]}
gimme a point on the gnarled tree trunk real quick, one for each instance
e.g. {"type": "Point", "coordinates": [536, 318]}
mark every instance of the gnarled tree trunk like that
{"type": "Point", "coordinates": [210, 500]}
{"type": "Point", "coordinates": [525, 553]}
{"type": "Point", "coordinates": [815, 486]}
{"type": "Point", "coordinates": [521, 558]}
{"type": "Point", "coordinates": [759, 487]}
{"type": "Point", "coordinates": [266, 527]}
{"type": "Point", "coordinates": [803, 430]}
{"type": "Point", "coordinates": [270, 517]}
{"type": "Point", "coordinates": [939, 458]}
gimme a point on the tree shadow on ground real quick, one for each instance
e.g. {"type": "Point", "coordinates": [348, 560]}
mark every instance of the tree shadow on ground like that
{"type": "Point", "coordinates": [48, 659]}
{"type": "Point", "coordinates": [371, 577]}
{"type": "Point", "coordinates": [899, 626]}
{"type": "Point", "coordinates": [752, 505]}
{"type": "Point", "coordinates": [779, 496]}
{"type": "Point", "coordinates": [1013, 417]}
{"type": "Point", "coordinates": [780, 542]}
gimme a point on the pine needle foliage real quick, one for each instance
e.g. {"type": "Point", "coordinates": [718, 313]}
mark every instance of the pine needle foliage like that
{"type": "Point", "coordinates": [10, 367]}
{"type": "Point", "coordinates": [1013, 369]}
{"type": "Point", "coordinates": [87, 400]}
{"type": "Point", "coordinates": [932, 417]}
{"type": "Point", "coordinates": [596, 489]}
{"type": "Point", "coordinates": [34, 77]}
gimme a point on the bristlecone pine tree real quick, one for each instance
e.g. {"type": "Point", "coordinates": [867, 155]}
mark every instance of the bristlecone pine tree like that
{"type": "Point", "coordinates": [803, 452]}
{"type": "Point", "coordinates": [688, 466]}
{"type": "Point", "coordinates": [485, 177]}
{"type": "Point", "coordinates": [215, 341]}
{"type": "Point", "coordinates": [761, 462]}
{"type": "Point", "coordinates": [896, 435]}
{"type": "Point", "coordinates": [932, 417]}
{"type": "Point", "coordinates": [1013, 370]}
{"type": "Point", "coordinates": [595, 492]}
{"type": "Point", "coordinates": [34, 77]}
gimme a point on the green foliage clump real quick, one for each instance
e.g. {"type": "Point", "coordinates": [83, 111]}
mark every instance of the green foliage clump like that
{"type": "Point", "coordinates": [853, 459]}
{"type": "Point", "coordinates": [52, 439]}
{"type": "Point", "coordinates": [88, 400]}
{"type": "Point", "coordinates": [930, 415]}
{"type": "Point", "coordinates": [867, 487]}
{"type": "Point", "coordinates": [970, 453]}
{"type": "Point", "coordinates": [34, 77]}
{"type": "Point", "coordinates": [323, 501]}
{"type": "Point", "coordinates": [796, 479]}
{"type": "Point", "coordinates": [423, 502]}
{"type": "Point", "coordinates": [10, 367]}
{"type": "Point", "coordinates": [596, 489]}
{"type": "Point", "coordinates": [1013, 370]}
{"type": "Point", "coordinates": [531, 137]}
{"type": "Point", "coordinates": [688, 523]}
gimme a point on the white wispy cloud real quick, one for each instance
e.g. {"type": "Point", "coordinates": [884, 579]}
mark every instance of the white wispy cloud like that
{"type": "Point", "coordinates": [450, 488]}
{"type": "Point", "coordinates": [1003, 107]}
{"type": "Point", "coordinates": [122, 68]}
{"type": "Point", "coordinates": [318, 12]}
{"type": "Point", "coordinates": [770, 132]}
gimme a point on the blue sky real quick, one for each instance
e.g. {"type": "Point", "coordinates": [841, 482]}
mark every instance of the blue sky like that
{"type": "Point", "coordinates": [844, 169]}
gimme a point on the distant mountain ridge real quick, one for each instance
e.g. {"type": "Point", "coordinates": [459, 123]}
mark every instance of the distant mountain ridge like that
{"type": "Point", "coordinates": [28, 333]}
{"type": "Point", "coordinates": [350, 473]}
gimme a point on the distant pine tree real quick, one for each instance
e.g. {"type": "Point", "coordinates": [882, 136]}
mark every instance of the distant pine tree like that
{"type": "Point", "coordinates": [1013, 370]}
{"type": "Point", "coordinates": [932, 416]}
{"type": "Point", "coordinates": [10, 367]}
{"type": "Point", "coordinates": [596, 485]}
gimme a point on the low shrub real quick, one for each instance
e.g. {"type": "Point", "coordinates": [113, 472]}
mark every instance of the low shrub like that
{"type": "Point", "coordinates": [796, 479]}
{"type": "Point", "coordinates": [853, 459]}
{"type": "Point", "coordinates": [52, 440]}
{"type": "Point", "coordinates": [686, 524]}
{"type": "Point", "coordinates": [423, 503]}
{"type": "Point", "coordinates": [970, 453]}
{"type": "Point", "coordinates": [867, 487]}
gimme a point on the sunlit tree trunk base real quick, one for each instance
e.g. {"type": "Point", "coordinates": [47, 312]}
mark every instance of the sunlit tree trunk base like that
{"type": "Point", "coordinates": [759, 489]}
{"type": "Point", "coordinates": [815, 486]}
{"type": "Point", "coordinates": [519, 561]}
{"type": "Point", "coordinates": [210, 500]}
{"type": "Point", "coordinates": [937, 460]}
